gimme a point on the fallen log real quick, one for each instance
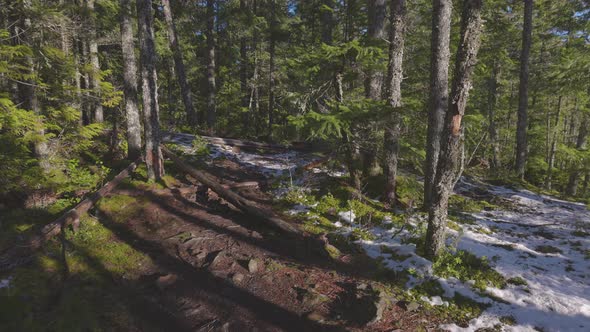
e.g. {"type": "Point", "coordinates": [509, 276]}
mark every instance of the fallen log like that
{"type": "Point", "coordinates": [22, 253]}
{"type": "Point", "coordinates": [240, 202]}
{"type": "Point", "coordinates": [240, 143]}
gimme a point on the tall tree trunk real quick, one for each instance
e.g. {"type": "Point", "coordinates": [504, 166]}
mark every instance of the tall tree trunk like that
{"type": "Point", "coordinates": [450, 155]}
{"type": "Point", "coordinates": [253, 103]}
{"type": "Point", "coordinates": [326, 18]}
{"type": "Point", "coordinates": [572, 186]}
{"type": "Point", "coordinates": [29, 91]}
{"type": "Point", "coordinates": [393, 95]}
{"type": "Point", "coordinates": [87, 86]}
{"type": "Point", "coordinates": [211, 86]}
{"type": "Point", "coordinates": [244, 62]}
{"type": "Point", "coordinates": [553, 149]}
{"type": "Point", "coordinates": [586, 183]}
{"type": "Point", "coordinates": [130, 82]}
{"type": "Point", "coordinates": [271, 69]}
{"type": "Point", "coordinates": [492, 129]}
{"type": "Point", "coordinates": [373, 83]}
{"type": "Point", "coordinates": [153, 155]}
{"type": "Point", "coordinates": [185, 91]}
{"type": "Point", "coordinates": [96, 73]}
{"type": "Point", "coordinates": [439, 90]}
{"type": "Point", "coordinates": [375, 32]}
{"type": "Point", "coordinates": [521, 127]}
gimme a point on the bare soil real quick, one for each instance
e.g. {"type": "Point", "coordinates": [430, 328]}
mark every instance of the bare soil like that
{"type": "Point", "coordinates": [216, 269]}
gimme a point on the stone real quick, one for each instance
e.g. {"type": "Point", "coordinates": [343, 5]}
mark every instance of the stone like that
{"type": "Point", "coordinates": [315, 316]}
{"type": "Point", "coordinates": [215, 257]}
{"type": "Point", "coordinates": [166, 281]}
{"type": "Point", "coordinates": [253, 266]}
{"type": "Point", "coordinates": [237, 278]}
{"type": "Point", "coordinates": [382, 303]}
{"type": "Point", "coordinates": [412, 306]}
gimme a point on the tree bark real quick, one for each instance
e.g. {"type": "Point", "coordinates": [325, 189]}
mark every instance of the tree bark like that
{"type": "Point", "coordinates": [439, 90]}
{"type": "Point", "coordinates": [29, 90]}
{"type": "Point", "coordinates": [393, 96]}
{"type": "Point", "coordinates": [244, 62]}
{"type": "Point", "coordinates": [96, 73]}
{"type": "Point", "coordinates": [521, 127]}
{"type": "Point", "coordinates": [553, 149]}
{"type": "Point", "coordinates": [271, 69]}
{"type": "Point", "coordinates": [130, 82]}
{"type": "Point", "coordinates": [492, 129]}
{"type": "Point", "coordinates": [153, 154]}
{"type": "Point", "coordinates": [572, 186]}
{"type": "Point", "coordinates": [375, 32]}
{"type": "Point", "coordinates": [185, 91]}
{"type": "Point", "coordinates": [450, 154]}
{"type": "Point", "coordinates": [87, 86]}
{"type": "Point", "coordinates": [211, 85]}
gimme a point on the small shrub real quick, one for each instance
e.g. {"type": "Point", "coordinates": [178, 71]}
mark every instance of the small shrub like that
{"type": "Point", "coordinates": [547, 249]}
{"type": "Point", "coordinates": [466, 266]}
{"type": "Point", "coordinates": [518, 281]}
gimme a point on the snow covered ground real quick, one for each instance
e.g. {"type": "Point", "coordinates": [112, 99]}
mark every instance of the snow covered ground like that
{"type": "Point", "coordinates": [270, 165]}
{"type": "Point", "coordinates": [542, 240]}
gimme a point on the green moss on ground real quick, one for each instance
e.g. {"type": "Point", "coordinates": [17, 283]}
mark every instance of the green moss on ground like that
{"type": "Point", "coordinates": [40, 299]}
{"type": "Point", "coordinates": [466, 266]}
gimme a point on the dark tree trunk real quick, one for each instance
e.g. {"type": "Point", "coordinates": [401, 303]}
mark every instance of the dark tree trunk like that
{"type": "Point", "coordinates": [253, 100]}
{"type": "Point", "coordinates": [271, 69]}
{"type": "Point", "coordinates": [521, 127]}
{"type": "Point", "coordinates": [326, 18]}
{"type": "Point", "coordinates": [87, 86]}
{"type": "Point", "coordinates": [93, 50]}
{"type": "Point", "coordinates": [393, 96]}
{"type": "Point", "coordinates": [492, 130]}
{"type": "Point", "coordinates": [130, 81]}
{"type": "Point", "coordinates": [211, 85]}
{"type": "Point", "coordinates": [439, 90]}
{"type": "Point", "coordinates": [244, 63]}
{"type": "Point", "coordinates": [572, 186]}
{"type": "Point", "coordinates": [375, 32]}
{"type": "Point", "coordinates": [450, 155]}
{"type": "Point", "coordinates": [553, 149]}
{"type": "Point", "coordinates": [153, 154]}
{"type": "Point", "coordinates": [185, 91]}
{"type": "Point", "coordinates": [29, 91]}
{"type": "Point", "coordinates": [373, 83]}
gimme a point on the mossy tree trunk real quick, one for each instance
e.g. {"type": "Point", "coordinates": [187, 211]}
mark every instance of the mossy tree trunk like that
{"type": "Point", "coordinates": [449, 160]}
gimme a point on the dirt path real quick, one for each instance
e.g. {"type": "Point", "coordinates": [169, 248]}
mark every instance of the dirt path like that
{"type": "Point", "coordinates": [216, 269]}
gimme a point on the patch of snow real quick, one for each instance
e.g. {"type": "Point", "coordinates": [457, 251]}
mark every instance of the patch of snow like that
{"type": "Point", "coordinates": [347, 216]}
{"type": "Point", "coordinates": [556, 296]}
{"type": "Point", "coordinates": [435, 300]}
{"type": "Point", "coordinates": [298, 209]}
{"type": "Point", "coordinates": [5, 283]}
{"type": "Point", "coordinates": [534, 241]}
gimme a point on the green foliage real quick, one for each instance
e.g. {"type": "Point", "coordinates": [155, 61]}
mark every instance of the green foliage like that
{"type": "Point", "coordinates": [200, 146]}
{"type": "Point", "coordinates": [466, 266]}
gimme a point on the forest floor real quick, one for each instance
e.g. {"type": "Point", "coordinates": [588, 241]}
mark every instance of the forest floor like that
{"type": "Point", "coordinates": [173, 256]}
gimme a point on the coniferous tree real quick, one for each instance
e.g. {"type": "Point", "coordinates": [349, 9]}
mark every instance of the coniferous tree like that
{"type": "Point", "coordinates": [393, 96]}
{"type": "Point", "coordinates": [450, 152]}
{"type": "Point", "coordinates": [439, 90]}
{"type": "Point", "coordinates": [130, 81]}
{"type": "Point", "coordinates": [523, 88]}
{"type": "Point", "coordinates": [185, 90]}
{"type": "Point", "coordinates": [153, 155]}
